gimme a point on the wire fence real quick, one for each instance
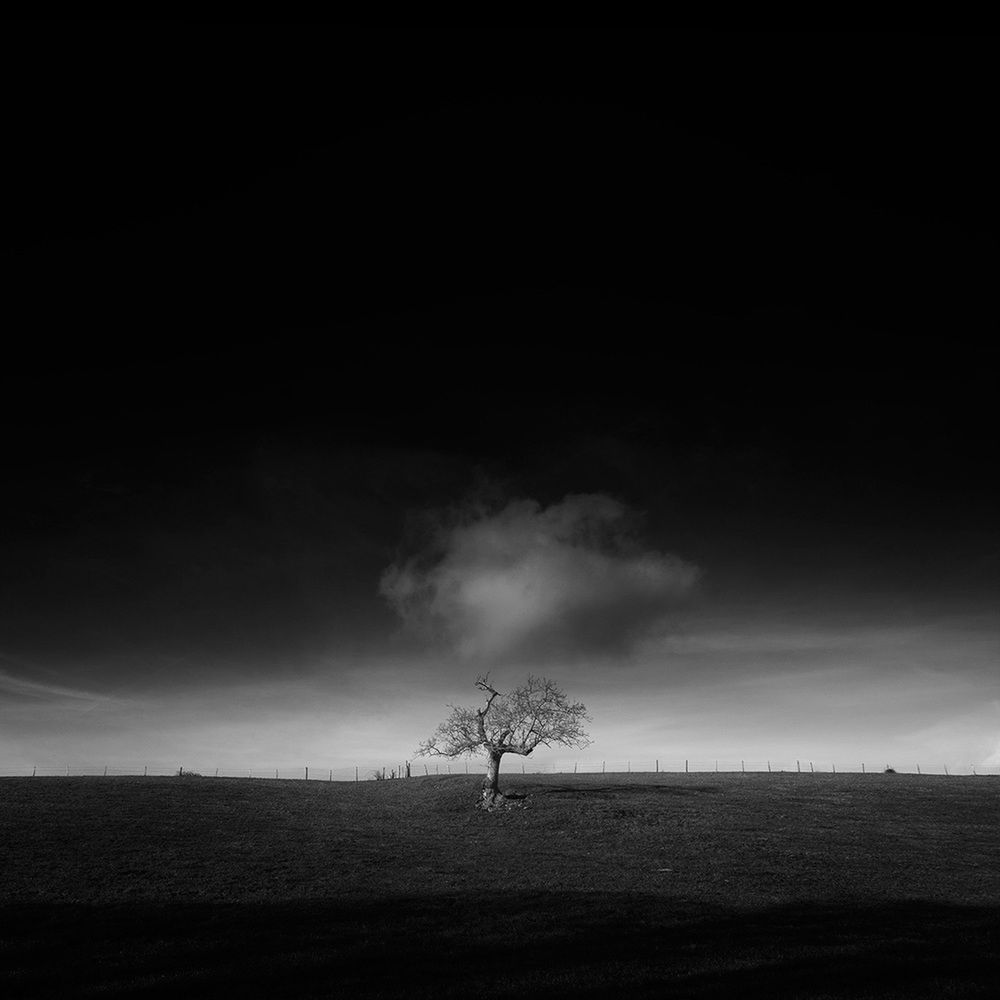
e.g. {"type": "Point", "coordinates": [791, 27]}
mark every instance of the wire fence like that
{"type": "Point", "coordinates": [512, 765]}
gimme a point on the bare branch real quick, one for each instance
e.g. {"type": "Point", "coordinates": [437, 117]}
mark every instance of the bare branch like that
{"type": "Point", "coordinates": [535, 714]}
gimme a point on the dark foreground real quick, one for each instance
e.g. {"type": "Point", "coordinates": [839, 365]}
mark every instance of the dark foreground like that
{"type": "Point", "coordinates": [602, 886]}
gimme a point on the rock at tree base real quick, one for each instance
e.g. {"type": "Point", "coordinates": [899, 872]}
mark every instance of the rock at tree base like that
{"type": "Point", "coordinates": [493, 801]}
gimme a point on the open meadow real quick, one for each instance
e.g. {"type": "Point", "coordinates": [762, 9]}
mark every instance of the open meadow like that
{"type": "Point", "coordinates": [639, 885]}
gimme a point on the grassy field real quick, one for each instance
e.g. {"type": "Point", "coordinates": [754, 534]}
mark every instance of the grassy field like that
{"type": "Point", "coordinates": [635, 885]}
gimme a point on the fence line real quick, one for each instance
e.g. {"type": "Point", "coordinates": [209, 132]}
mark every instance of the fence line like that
{"type": "Point", "coordinates": [414, 769]}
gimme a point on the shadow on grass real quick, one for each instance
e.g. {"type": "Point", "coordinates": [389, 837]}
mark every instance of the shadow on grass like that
{"type": "Point", "coordinates": [559, 944]}
{"type": "Point", "coordinates": [616, 791]}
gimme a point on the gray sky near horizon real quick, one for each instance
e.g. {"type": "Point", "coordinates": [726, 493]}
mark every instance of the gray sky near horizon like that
{"type": "Point", "coordinates": [340, 640]}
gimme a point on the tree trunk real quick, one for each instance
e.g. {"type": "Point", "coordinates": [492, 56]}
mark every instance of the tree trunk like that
{"type": "Point", "coordinates": [491, 784]}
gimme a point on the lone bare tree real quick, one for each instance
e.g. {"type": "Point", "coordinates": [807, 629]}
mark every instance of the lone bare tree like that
{"type": "Point", "coordinates": [535, 714]}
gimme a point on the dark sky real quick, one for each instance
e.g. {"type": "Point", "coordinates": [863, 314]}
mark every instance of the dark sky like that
{"type": "Point", "coordinates": [289, 305]}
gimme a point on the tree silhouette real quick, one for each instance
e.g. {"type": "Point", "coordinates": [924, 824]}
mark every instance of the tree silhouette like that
{"type": "Point", "coordinates": [535, 714]}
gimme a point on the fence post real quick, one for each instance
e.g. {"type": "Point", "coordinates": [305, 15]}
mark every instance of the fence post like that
{"type": "Point", "coordinates": [331, 774]}
{"type": "Point", "coordinates": [355, 772]}
{"type": "Point", "coordinates": [716, 767]}
{"type": "Point", "coordinates": [743, 767]}
{"type": "Point", "coordinates": [629, 765]}
{"type": "Point", "coordinates": [918, 769]}
{"type": "Point", "coordinates": [34, 770]}
{"type": "Point", "coordinates": [812, 770]}
{"type": "Point", "coordinates": [973, 768]}
{"type": "Point", "coordinates": [768, 767]}
{"type": "Point", "coordinates": [657, 765]}
{"type": "Point", "coordinates": [425, 770]}
{"type": "Point", "coordinates": [603, 765]}
{"type": "Point", "coordinates": [946, 769]}
{"type": "Point", "coordinates": [862, 767]}
{"type": "Point", "coordinates": [685, 766]}
{"type": "Point", "coordinates": [798, 768]}
{"type": "Point", "coordinates": [216, 772]}
{"type": "Point", "coordinates": [105, 770]}
{"type": "Point", "coordinates": [574, 767]}
{"type": "Point", "coordinates": [834, 768]}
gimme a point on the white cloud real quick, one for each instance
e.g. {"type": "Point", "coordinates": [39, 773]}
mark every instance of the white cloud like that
{"type": "Point", "coordinates": [528, 578]}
